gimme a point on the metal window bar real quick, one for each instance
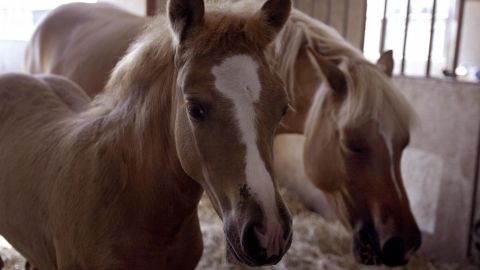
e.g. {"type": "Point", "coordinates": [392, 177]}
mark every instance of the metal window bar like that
{"type": "Point", "coordinates": [405, 38]}
{"type": "Point", "coordinates": [458, 36]}
{"type": "Point", "coordinates": [364, 26]}
{"type": "Point", "coordinates": [384, 27]}
{"type": "Point", "coordinates": [432, 34]}
{"type": "Point", "coordinates": [457, 41]}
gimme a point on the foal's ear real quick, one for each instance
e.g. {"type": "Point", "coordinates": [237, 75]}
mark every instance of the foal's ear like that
{"type": "Point", "coordinates": [386, 63]}
{"type": "Point", "coordinates": [272, 17]}
{"type": "Point", "coordinates": [332, 73]}
{"type": "Point", "coordinates": [276, 13]}
{"type": "Point", "coordinates": [183, 15]}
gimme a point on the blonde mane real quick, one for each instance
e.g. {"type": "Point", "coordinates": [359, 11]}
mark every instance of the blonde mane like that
{"type": "Point", "coordinates": [371, 93]}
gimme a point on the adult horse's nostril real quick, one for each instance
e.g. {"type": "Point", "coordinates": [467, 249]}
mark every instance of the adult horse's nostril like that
{"type": "Point", "coordinates": [417, 241]}
{"type": "Point", "coordinates": [393, 252]}
{"type": "Point", "coordinates": [365, 246]}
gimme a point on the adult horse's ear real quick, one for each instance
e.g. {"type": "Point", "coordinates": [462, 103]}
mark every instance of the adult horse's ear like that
{"type": "Point", "coordinates": [386, 63]}
{"type": "Point", "coordinates": [272, 17]}
{"type": "Point", "coordinates": [183, 15]}
{"type": "Point", "coordinates": [332, 73]}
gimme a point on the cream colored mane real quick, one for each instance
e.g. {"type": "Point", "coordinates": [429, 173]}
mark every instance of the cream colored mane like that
{"type": "Point", "coordinates": [371, 93]}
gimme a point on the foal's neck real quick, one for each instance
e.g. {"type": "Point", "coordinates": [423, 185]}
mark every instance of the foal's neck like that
{"type": "Point", "coordinates": [138, 138]}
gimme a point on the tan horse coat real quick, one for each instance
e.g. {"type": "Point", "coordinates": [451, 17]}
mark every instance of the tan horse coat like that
{"type": "Point", "coordinates": [114, 183]}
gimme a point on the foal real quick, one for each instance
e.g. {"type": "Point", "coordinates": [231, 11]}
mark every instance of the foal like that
{"type": "Point", "coordinates": [114, 183]}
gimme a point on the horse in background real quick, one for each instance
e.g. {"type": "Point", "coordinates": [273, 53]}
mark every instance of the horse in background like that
{"type": "Point", "coordinates": [66, 49]}
{"type": "Point", "coordinates": [114, 183]}
{"type": "Point", "coordinates": [365, 190]}
{"type": "Point", "coordinates": [350, 109]}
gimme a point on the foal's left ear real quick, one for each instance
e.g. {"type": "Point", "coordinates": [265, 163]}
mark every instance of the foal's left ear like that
{"type": "Point", "coordinates": [272, 17]}
{"type": "Point", "coordinates": [386, 63]}
{"type": "Point", "coordinates": [184, 15]}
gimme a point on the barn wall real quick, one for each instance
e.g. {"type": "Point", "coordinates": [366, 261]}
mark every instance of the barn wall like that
{"type": "Point", "coordinates": [469, 49]}
{"type": "Point", "coordinates": [346, 16]}
{"type": "Point", "coordinates": [439, 167]}
{"type": "Point", "coordinates": [475, 225]}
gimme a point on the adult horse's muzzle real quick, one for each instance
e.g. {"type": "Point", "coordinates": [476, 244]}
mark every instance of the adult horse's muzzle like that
{"type": "Point", "coordinates": [392, 250]}
{"type": "Point", "coordinates": [254, 241]}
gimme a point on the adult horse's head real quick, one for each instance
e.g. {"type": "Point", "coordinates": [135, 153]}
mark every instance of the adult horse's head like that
{"type": "Point", "coordinates": [232, 103]}
{"type": "Point", "coordinates": [356, 132]}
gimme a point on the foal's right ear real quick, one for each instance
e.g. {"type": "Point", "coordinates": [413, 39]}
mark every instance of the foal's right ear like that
{"type": "Point", "coordinates": [332, 73]}
{"type": "Point", "coordinates": [183, 15]}
{"type": "Point", "coordinates": [271, 18]}
{"type": "Point", "coordinates": [276, 13]}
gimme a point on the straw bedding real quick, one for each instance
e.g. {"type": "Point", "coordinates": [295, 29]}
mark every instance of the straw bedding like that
{"type": "Point", "coordinates": [317, 244]}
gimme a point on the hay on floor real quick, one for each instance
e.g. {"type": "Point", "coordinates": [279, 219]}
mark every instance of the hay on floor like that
{"type": "Point", "coordinates": [317, 245]}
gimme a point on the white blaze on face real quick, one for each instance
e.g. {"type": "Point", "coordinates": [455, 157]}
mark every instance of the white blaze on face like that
{"type": "Point", "coordinates": [388, 138]}
{"type": "Point", "coordinates": [238, 80]}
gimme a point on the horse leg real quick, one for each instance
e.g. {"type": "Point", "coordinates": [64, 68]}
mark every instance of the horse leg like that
{"type": "Point", "coordinates": [1, 263]}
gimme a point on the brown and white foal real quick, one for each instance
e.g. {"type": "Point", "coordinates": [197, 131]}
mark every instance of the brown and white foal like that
{"type": "Point", "coordinates": [114, 183]}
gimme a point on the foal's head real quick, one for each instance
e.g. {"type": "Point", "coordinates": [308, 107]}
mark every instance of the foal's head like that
{"type": "Point", "coordinates": [230, 106]}
{"type": "Point", "coordinates": [357, 130]}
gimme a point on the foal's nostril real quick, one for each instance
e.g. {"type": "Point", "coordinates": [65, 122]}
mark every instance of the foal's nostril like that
{"type": "Point", "coordinates": [251, 244]}
{"type": "Point", "coordinates": [393, 252]}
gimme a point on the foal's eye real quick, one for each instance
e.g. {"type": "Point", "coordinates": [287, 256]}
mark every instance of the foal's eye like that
{"type": "Point", "coordinates": [196, 111]}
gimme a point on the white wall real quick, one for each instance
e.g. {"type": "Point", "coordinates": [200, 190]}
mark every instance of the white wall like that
{"type": "Point", "coordinates": [11, 55]}
{"type": "Point", "coordinates": [470, 44]}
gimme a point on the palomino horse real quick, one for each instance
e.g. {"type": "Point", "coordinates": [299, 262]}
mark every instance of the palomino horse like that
{"type": "Point", "coordinates": [357, 116]}
{"type": "Point", "coordinates": [114, 183]}
{"type": "Point", "coordinates": [368, 195]}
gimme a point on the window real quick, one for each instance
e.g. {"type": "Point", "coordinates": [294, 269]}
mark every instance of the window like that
{"type": "Point", "coordinates": [421, 33]}
{"type": "Point", "coordinates": [17, 23]}
{"type": "Point", "coordinates": [18, 18]}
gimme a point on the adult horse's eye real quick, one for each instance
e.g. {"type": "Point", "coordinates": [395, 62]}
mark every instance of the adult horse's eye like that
{"type": "Point", "coordinates": [285, 110]}
{"type": "Point", "coordinates": [357, 147]}
{"type": "Point", "coordinates": [196, 111]}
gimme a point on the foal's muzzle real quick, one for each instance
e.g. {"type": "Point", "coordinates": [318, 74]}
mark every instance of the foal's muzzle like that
{"type": "Point", "coordinates": [255, 243]}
